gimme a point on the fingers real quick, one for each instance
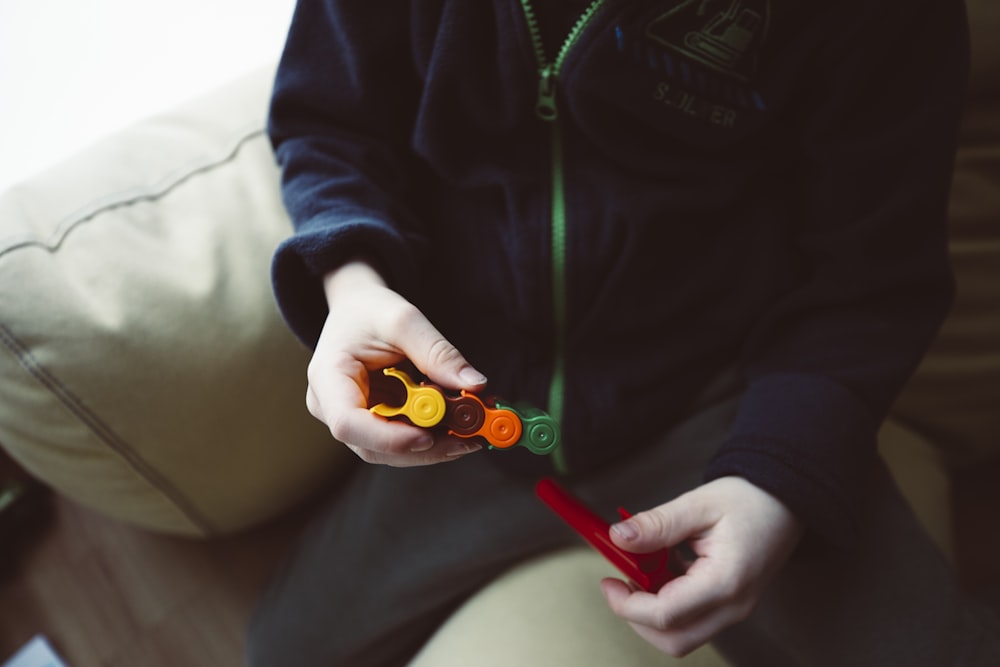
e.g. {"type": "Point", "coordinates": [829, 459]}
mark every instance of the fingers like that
{"type": "Point", "coordinates": [378, 441]}
{"type": "Point", "coordinates": [405, 450]}
{"type": "Point", "coordinates": [668, 525]}
{"type": "Point", "coordinates": [706, 591]}
{"type": "Point", "coordinates": [368, 320]}
{"type": "Point", "coordinates": [741, 536]}
{"type": "Point", "coordinates": [431, 352]}
{"type": "Point", "coordinates": [369, 327]}
{"type": "Point", "coordinates": [674, 636]}
{"type": "Point", "coordinates": [395, 443]}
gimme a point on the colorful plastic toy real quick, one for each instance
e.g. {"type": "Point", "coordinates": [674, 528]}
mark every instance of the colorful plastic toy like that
{"type": "Point", "coordinates": [465, 415]}
{"type": "Point", "coordinates": [649, 571]}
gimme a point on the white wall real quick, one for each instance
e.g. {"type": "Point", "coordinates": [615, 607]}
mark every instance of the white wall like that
{"type": "Point", "coordinates": [72, 71]}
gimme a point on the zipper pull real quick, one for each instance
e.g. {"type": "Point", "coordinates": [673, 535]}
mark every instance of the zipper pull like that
{"type": "Point", "coordinates": [545, 108]}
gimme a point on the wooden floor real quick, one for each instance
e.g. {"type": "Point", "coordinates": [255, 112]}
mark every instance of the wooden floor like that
{"type": "Point", "coordinates": [108, 595]}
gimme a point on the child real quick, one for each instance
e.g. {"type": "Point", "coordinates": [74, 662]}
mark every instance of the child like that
{"type": "Point", "coordinates": [708, 236]}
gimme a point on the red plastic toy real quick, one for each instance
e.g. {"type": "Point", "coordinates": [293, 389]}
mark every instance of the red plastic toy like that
{"type": "Point", "coordinates": [650, 571]}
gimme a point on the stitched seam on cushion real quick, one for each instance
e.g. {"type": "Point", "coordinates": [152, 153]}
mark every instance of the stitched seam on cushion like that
{"type": "Point", "coordinates": [101, 430]}
{"type": "Point", "coordinates": [138, 194]}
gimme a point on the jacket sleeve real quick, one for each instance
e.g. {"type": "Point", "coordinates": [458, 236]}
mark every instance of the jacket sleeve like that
{"type": "Point", "coordinates": [876, 147]}
{"type": "Point", "coordinates": [341, 116]}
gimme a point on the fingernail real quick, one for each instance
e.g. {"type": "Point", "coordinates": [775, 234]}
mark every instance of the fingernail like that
{"type": "Point", "coordinates": [626, 530]}
{"type": "Point", "coordinates": [423, 445]}
{"type": "Point", "coordinates": [471, 376]}
{"type": "Point", "coordinates": [462, 448]}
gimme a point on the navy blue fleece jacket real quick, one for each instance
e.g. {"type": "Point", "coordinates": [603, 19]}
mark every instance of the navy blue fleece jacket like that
{"type": "Point", "coordinates": [755, 184]}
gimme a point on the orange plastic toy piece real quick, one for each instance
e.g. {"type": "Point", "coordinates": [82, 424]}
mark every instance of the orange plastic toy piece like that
{"type": "Point", "coordinates": [500, 428]}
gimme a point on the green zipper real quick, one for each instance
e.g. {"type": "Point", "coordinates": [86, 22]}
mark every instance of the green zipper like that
{"type": "Point", "coordinates": [546, 109]}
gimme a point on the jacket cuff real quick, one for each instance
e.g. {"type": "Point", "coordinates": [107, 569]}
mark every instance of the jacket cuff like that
{"type": "Point", "coordinates": [301, 261]}
{"type": "Point", "coordinates": [809, 442]}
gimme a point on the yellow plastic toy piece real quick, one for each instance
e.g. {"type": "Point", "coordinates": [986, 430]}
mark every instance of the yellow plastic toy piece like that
{"type": "Point", "coordinates": [424, 406]}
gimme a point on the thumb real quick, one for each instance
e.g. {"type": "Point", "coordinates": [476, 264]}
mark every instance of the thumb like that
{"type": "Point", "coordinates": [663, 526]}
{"type": "Point", "coordinates": [437, 358]}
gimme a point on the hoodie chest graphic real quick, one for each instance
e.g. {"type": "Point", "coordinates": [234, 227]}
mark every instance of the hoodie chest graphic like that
{"type": "Point", "coordinates": [722, 35]}
{"type": "Point", "coordinates": [704, 54]}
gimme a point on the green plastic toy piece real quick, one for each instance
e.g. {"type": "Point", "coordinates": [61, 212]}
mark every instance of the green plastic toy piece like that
{"type": "Point", "coordinates": [540, 434]}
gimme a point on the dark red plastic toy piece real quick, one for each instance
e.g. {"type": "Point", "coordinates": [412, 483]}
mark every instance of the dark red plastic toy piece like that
{"type": "Point", "coordinates": [650, 571]}
{"type": "Point", "coordinates": [464, 414]}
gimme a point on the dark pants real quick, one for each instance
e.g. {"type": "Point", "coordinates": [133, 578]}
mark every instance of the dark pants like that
{"type": "Point", "coordinates": [397, 550]}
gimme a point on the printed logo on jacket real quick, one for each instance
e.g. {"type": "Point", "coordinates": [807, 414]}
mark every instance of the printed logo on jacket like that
{"type": "Point", "coordinates": [706, 54]}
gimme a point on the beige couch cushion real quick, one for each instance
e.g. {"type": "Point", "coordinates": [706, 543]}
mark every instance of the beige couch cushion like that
{"type": "Point", "coordinates": [144, 370]}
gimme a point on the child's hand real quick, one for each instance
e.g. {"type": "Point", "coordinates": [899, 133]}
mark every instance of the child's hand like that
{"type": "Point", "coordinates": [742, 536]}
{"type": "Point", "coordinates": [370, 327]}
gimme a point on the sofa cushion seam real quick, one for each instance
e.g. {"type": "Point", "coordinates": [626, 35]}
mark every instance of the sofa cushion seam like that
{"type": "Point", "coordinates": [147, 193]}
{"type": "Point", "coordinates": [100, 429]}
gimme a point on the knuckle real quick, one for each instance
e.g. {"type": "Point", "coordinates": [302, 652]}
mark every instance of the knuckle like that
{"type": "Point", "coordinates": [653, 523]}
{"type": "Point", "coordinates": [332, 362]}
{"type": "Point", "coordinates": [366, 455]}
{"type": "Point", "coordinates": [313, 376]}
{"type": "Point", "coordinates": [401, 320]}
{"type": "Point", "coordinates": [408, 321]}
{"type": "Point", "coordinates": [312, 404]}
{"type": "Point", "coordinates": [732, 589]}
{"type": "Point", "coordinates": [441, 353]}
{"type": "Point", "coordinates": [663, 621]}
{"type": "Point", "coordinates": [340, 430]}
